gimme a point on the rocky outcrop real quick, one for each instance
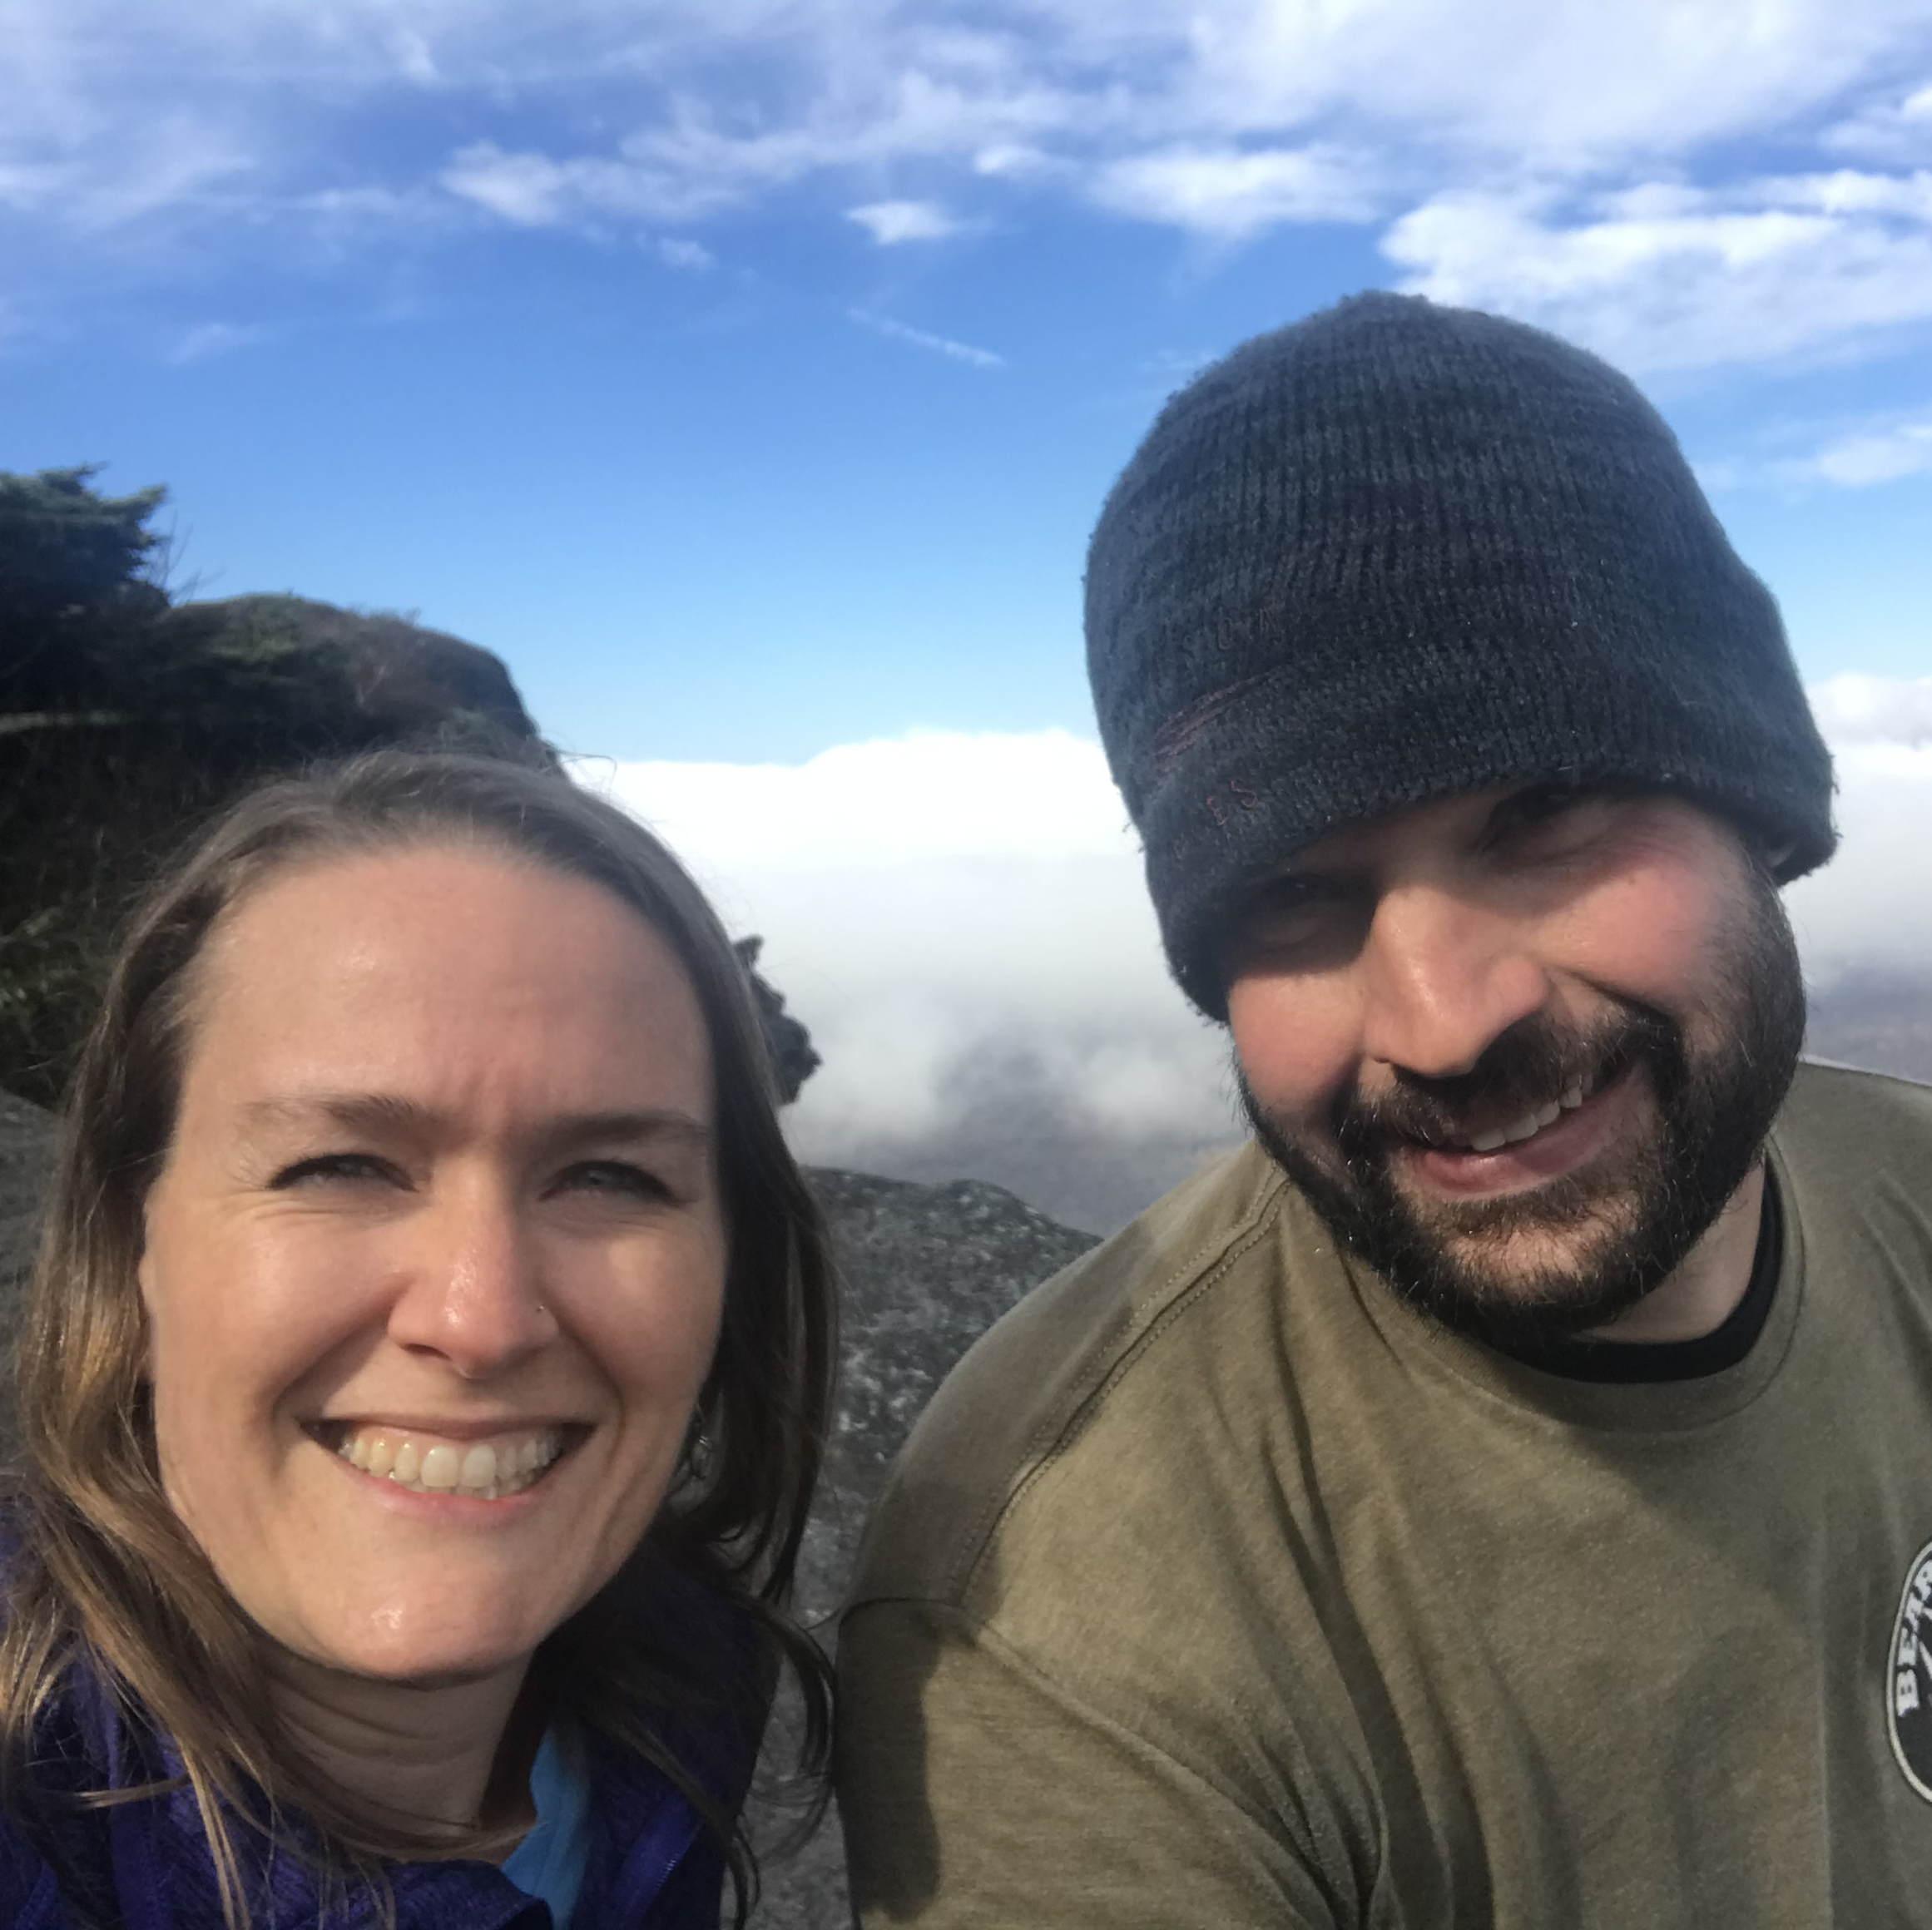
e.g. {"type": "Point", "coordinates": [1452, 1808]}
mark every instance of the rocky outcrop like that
{"type": "Point", "coordinates": [924, 1270]}
{"type": "Point", "coordinates": [793, 1061]}
{"type": "Point", "coordinates": [117, 740]}
{"type": "Point", "coordinates": [26, 1162]}
{"type": "Point", "coordinates": [26, 1138]}
{"type": "Point", "coordinates": [127, 725]}
{"type": "Point", "coordinates": [397, 679]}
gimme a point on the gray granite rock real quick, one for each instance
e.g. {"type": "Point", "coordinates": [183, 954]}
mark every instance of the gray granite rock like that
{"type": "Point", "coordinates": [26, 1135]}
{"type": "Point", "coordinates": [924, 1271]}
{"type": "Point", "coordinates": [27, 1140]}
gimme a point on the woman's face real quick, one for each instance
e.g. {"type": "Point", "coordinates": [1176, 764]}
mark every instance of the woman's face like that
{"type": "Point", "coordinates": [434, 1266]}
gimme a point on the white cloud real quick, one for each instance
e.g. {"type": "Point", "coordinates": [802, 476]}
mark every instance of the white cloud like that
{"type": "Point", "coordinates": [414, 57]}
{"type": "Point", "coordinates": [1856, 709]}
{"type": "Point", "coordinates": [1013, 161]}
{"type": "Point", "coordinates": [1851, 452]}
{"type": "Point", "coordinates": [176, 161]}
{"type": "Point", "coordinates": [867, 110]}
{"type": "Point", "coordinates": [936, 902]}
{"type": "Point", "coordinates": [533, 190]}
{"type": "Point", "coordinates": [1869, 910]}
{"type": "Point", "coordinates": [1880, 454]}
{"type": "Point", "coordinates": [888, 223]}
{"type": "Point", "coordinates": [528, 189]}
{"type": "Point", "coordinates": [679, 252]}
{"type": "Point", "coordinates": [1660, 276]}
{"type": "Point", "coordinates": [951, 794]}
{"type": "Point", "coordinates": [1223, 117]}
{"type": "Point", "coordinates": [1232, 194]}
{"type": "Point", "coordinates": [930, 899]}
{"type": "Point", "coordinates": [1894, 129]}
{"type": "Point", "coordinates": [209, 338]}
{"type": "Point", "coordinates": [1575, 87]}
{"type": "Point", "coordinates": [924, 338]}
{"type": "Point", "coordinates": [1844, 191]}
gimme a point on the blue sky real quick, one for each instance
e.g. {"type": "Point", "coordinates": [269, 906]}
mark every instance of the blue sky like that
{"type": "Point", "coordinates": [748, 373]}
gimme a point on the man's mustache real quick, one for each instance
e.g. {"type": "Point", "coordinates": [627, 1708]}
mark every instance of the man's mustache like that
{"type": "Point", "coordinates": [1526, 1067]}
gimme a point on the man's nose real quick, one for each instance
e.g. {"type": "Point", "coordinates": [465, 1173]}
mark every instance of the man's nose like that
{"type": "Point", "coordinates": [1444, 979]}
{"type": "Point", "coordinates": [475, 1292]}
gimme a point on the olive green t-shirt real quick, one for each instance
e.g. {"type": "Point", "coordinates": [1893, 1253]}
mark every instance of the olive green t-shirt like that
{"type": "Point", "coordinates": [1216, 1588]}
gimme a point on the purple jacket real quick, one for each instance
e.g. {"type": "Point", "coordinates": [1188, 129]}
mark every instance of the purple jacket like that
{"type": "Point", "coordinates": [146, 1866]}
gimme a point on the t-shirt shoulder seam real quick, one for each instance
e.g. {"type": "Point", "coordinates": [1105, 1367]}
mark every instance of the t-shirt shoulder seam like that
{"type": "Point", "coordinates": [1841, 1066]}
{"type": "Point", "coordinates": [1208, 1264]}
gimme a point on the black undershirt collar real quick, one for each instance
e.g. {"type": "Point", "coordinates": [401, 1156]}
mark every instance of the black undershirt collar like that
{"type": "Point", "coordinates": [1662, 1360]}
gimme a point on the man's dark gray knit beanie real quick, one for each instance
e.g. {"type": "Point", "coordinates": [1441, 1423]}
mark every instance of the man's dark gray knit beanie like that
{"type": "Point", "coordinates": [1396, 551]}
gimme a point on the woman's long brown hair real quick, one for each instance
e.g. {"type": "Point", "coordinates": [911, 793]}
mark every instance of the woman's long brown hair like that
{"type": "Point", "coordinates": [105, 1578]}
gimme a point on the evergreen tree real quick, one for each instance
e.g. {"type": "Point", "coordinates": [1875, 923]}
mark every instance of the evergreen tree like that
{"type": "Point", "coordinates": [66, 548]}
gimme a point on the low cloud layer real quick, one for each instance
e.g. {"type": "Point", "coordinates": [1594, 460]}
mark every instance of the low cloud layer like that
{"type": "Point", "coordinates": [941, 904]}
{"type": "Point", "coordinates": [960, 919]}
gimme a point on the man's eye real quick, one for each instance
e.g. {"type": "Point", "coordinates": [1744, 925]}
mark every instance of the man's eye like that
{"type": "Point", "coordinates": [1293, 922]}
{"type": "Point", "coordinates": [339, 1168]}
{"type": "Point", "coordinates": [1553, 813]}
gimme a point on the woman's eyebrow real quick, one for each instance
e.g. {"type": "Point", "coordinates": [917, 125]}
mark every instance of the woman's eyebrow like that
{"type": "Point", "coordinates": [382, 1112]}
{"type": "Point", "coordinates": [632, 1127]}
{"type": "Point", "coordinates": [390, 1113]}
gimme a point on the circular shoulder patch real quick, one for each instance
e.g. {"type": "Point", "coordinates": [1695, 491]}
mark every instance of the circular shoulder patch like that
{"type": "Point", "coordinates": [1908, 1689]}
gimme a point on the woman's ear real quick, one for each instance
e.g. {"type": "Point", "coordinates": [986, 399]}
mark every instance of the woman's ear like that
{"type": "Point", "coordinates": [144, 1271]}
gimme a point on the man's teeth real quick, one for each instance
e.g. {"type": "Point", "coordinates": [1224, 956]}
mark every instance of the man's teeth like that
{"type": "Point", "coordinates": [1532, 1123]}
{"type": "Point", "coordinates": [489, 1470]}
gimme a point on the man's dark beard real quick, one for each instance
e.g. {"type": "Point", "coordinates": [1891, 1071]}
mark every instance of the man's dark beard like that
{"type": "Point", "coordinates": [1651, 1206]}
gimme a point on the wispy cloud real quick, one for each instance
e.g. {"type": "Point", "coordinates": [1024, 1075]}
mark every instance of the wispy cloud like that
{"type": "Point", "coordinates": [1486, 136]}
{"type": "Point", "coordinates": [1232, 194]}
{"type": "Point", "coordinates": [1855, 708]}
{"type": "Point", "coordinates": [889, 223]}
{"type": "Point", "coordinates": [1885, 451]}
{"type": "Point", "coordinates": [924, 338]}
{"type": "Point", "coordinates": [1661, 276]}
{"type": "Point", "coordinates": [535, 191]}
{"type": "Point", "coordinates": [207, 340]}
{"type": "Point", "coordinates": [679, 252]}
{"type": "Point", "coordinates": [174, 161]}
{"type": "Point", "coordinates": [1891, 128]}
{"type": "Point", "coordinates": [1798, 455]}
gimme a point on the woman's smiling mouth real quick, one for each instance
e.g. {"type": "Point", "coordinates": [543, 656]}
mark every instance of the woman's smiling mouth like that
{"type": "Point", "coordinates": [422, 1461]}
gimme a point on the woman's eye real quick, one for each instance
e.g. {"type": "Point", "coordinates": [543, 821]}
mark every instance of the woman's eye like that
{"type": "Point", "coordinates": [615, 1176]}
{"type": "Point", "coordinates": [344, 1168]}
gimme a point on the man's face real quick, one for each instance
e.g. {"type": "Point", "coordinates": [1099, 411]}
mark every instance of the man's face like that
{"type": "Point", "coordinates": [1518, 1047]}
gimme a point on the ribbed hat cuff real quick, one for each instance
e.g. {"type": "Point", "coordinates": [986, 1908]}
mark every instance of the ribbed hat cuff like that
{"type": "Point", "coordinates": [1222, 823]}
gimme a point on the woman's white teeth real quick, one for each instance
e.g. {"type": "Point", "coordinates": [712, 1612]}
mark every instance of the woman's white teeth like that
{"type": "Point", "coordinates": [490, 1469]}
{"type": "Point", "coordinates": [1531, 1123]}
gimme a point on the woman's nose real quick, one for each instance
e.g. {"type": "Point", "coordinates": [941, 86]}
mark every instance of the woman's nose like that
{"type": "Point", "coordinates": [474, 1293]}
{"type": "Point", "coordinates": [1444, 979]}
